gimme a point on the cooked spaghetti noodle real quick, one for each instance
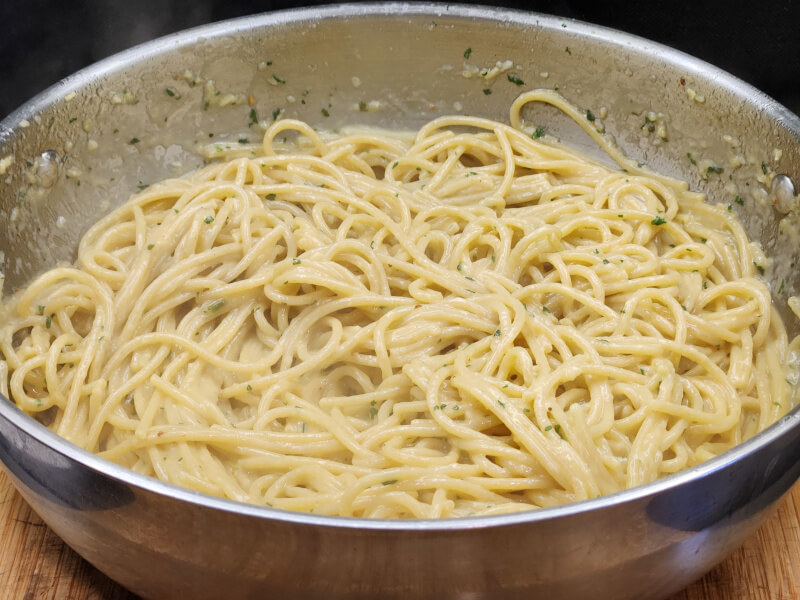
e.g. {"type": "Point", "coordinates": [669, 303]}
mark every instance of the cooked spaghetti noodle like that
{"type": "Point", "coordinates": [466, 321]}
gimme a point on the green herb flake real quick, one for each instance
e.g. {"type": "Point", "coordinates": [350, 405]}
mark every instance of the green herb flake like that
{"type": "Point", "coordinates": [467, 52]}
{"type": "Point", "coordinates": [275, 114]}
{"type": "Point", "coordinates": [759, 268]}
{"type": "Point", "coordinates": [590, 116]}
{"type": "Point", "coordinates": [605, 261]}
{"type": "Point", "coordinates": [546, 310]}
{"type": "Point", "coordinates": [253, 119]}
{"type": "Point", "coordinates": [568, 51]}
{"type": "Point", "coordinates": [270, 196]}
{"type": "Point", "coordinates": [497, 332]}
{"type": "Point", "coordinates": [691, 158]}
{"type": "Point", "coordinates": [295, 261]}
{"type": "Point", "coordinates": [73, 119]}
{"type": "Point", "coordinates": [173, 93]}
{"type": "Point", "coordinates": [150, 246]}
{"type": "Point", "coordinates": [780, 289]}
{"type": "Point", "coordinates": [389, 481]}
{"type": "Point", "coordinates": [763, 167]}
{"type": "Point", "coordinates": [278, 79]}
{"type": "Point", "coordinates": [515, 80]}
{"type": "Point", "coordinates": [658, 221]}
{"type": "Point", "coordinates": [208, 220]}
{"type": "Point", "coordinates": [362, 106]}
{"type": "Point", "coordinates": [537, 133]}
{"type": "Point", "coordinates": [487, 91]}
{"type": "Point", "coordinates": [325, 112]}
{"type": "Point", "coordinates": [49, 320]}
{"type": "Point", "coordinates": [460, 267]}
{"type": "Point", "coordinates": [714, 169]}
{"type": "Point", "coordinates": [548, 428]}
{"type": "Point", "coordinates": [134, 140]}
{"type": "Point", "coordinates": [216, 305]}
{"type": "Point", "coordinates": [249, 388]}
{"type": "Point", "coordinates": [41, 309]}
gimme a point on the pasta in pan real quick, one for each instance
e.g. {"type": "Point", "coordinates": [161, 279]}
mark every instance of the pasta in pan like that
{"type": "Point", "coordinates": [463, 321]}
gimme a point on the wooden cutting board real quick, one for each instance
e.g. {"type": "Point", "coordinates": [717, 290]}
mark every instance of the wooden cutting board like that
{"type": "Point", "coordinates": [36, 564]}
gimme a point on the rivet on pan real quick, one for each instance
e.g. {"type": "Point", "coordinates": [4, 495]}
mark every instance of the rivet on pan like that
{"type": "Point", "coordinates": [782, 193]}
{"type": "Point", "coordinates": [48, 168]}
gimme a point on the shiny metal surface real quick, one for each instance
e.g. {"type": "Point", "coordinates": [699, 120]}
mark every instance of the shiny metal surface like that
{"type": "Point", "coordinates": [113, 127]}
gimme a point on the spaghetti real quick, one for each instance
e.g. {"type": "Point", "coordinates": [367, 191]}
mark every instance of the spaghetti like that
{"type": "Point", "coordinates": [466, 321]}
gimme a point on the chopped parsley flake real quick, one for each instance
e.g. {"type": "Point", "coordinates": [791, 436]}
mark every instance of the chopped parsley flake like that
{"type": "Point", "coordinates": [275, 114]}
{"type": "Point", "coordinates": [763, 167]}
{"type": "Point", "coordinates": [568, 51]}
{"type": "Point", "coordinates": [150, 246]}
{"type": "Point", "coordinates": [253, 120]}
{"type": "Point", "coordinates": [515, 80]}
{"type": "Point", "coordinates": [173, 93]}
{"type": "Point", "coordinates": [325, 112]}
{"type": "Point", "coordinates": [134, 140]}
{"type": "Point", "coordinates": [487, 91]}
{"type": "Point", "coordinates": [270, 196]}
{"type": "Point", "coordinates": [545, 309]}
{"type": "Point", "coordinates": [590, 116]}
{"type": "Point", "coordinates": [496, 332]}
{"type": "Point", "coordinates": [467, 52]}
{"type": "Point", "coordinates": [759, 268]}
{"type": "Point", "coordinates": [390, 481]}
{"type": "Point", "coordinates": [278, 79]}
{"type": "Point", "coordinates": [537, 133]}
{"type": "Point", "coordinates": [295, 261]}
{"type": "Point", "coordinates": [216, 305]}
{"type": "Point", "coordinates": [658, 221]}
{"type": "Point", "coordinates": [208, 220]}
{"type": "Point", "coordinates": [714, 169]}
{"type": "Point", "coordinates": [691, 158]}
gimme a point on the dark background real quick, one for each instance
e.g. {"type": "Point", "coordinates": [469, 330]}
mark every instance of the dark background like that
{"type": "Point", "coordinates": [42, 41]}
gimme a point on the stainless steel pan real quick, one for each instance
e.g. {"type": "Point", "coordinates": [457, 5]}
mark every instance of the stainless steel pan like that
{"type": "Point", "coordinates": [84, 145]}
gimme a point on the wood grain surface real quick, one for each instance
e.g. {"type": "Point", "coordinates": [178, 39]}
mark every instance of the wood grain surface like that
{"type": "Point", "coordinates": [36, 565]}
